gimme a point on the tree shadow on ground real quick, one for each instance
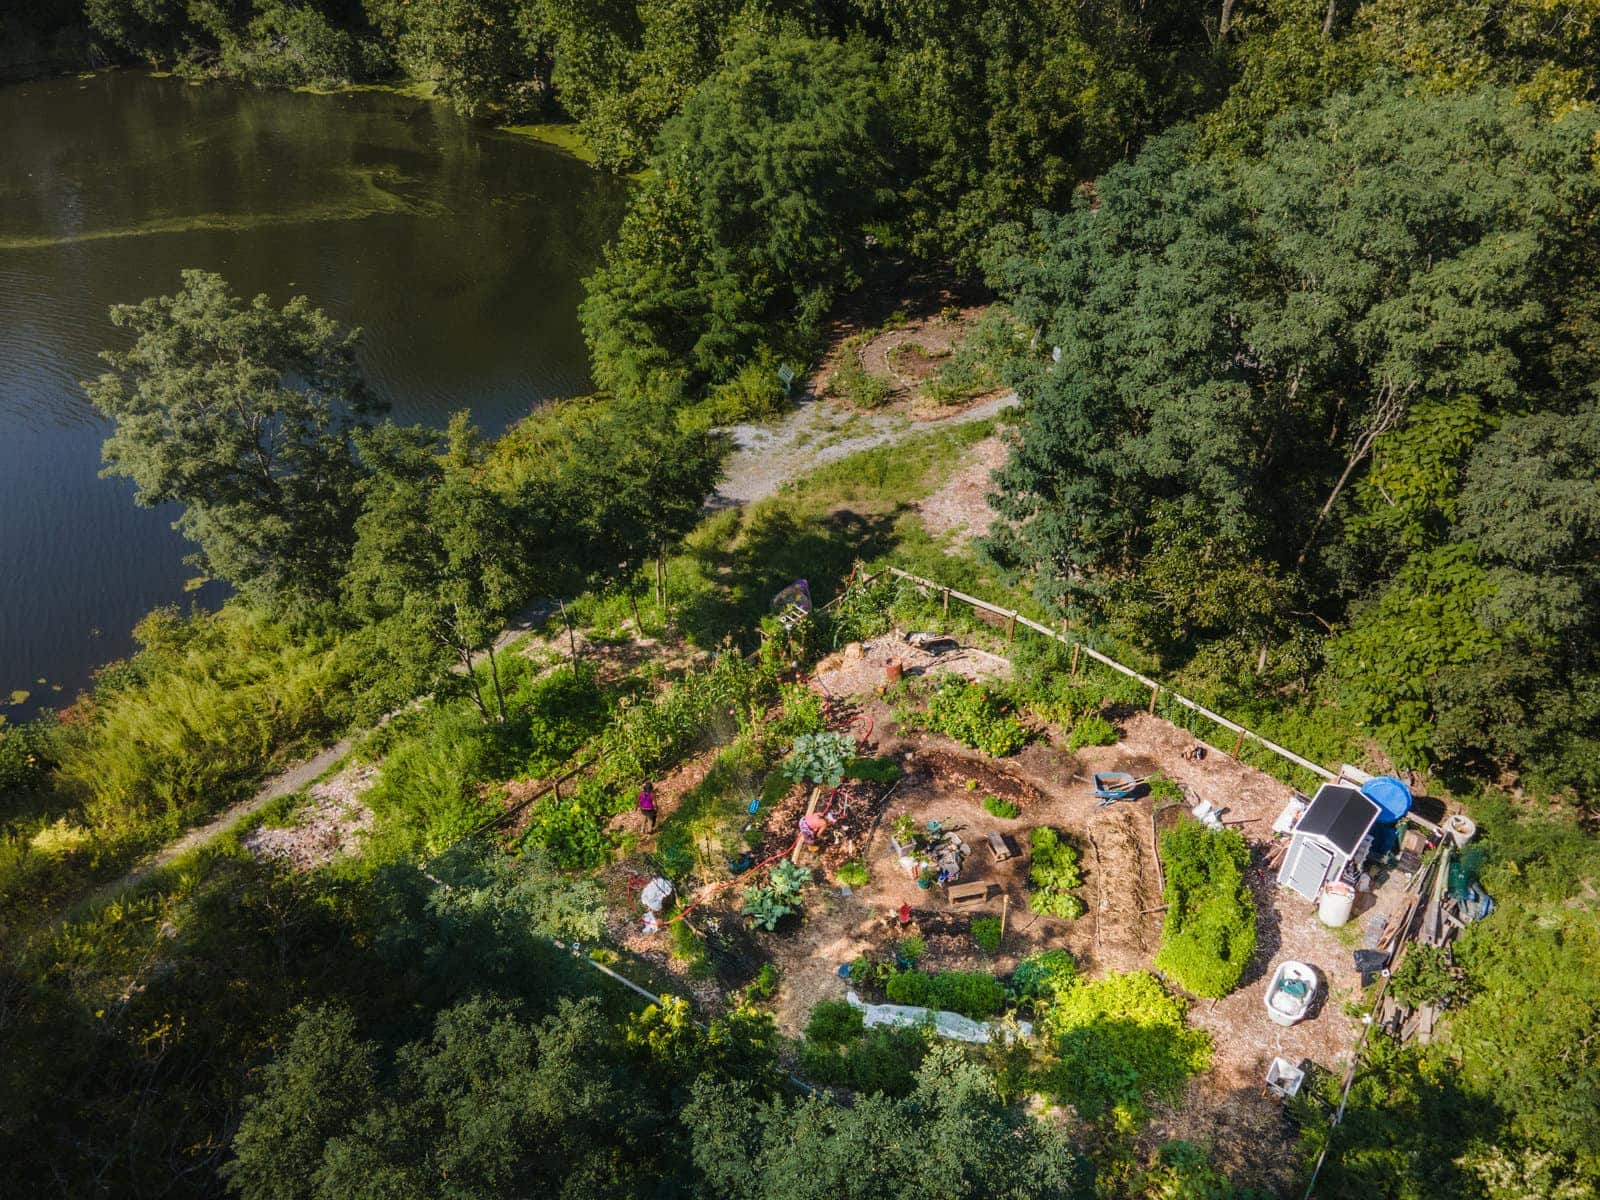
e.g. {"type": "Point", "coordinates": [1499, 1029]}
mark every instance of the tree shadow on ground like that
{"type": "Point", "coordinates": [773, 549]}
{"type": "Point", "coordinates": [1269, 928]}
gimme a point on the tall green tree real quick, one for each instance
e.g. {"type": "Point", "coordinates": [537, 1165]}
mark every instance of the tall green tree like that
{"type": "Point", "coordinates": [484, 56]}
{"type": "Point", "coordinates": [755, 218]}
{"type": "Point", "coordinates": [246, 414]}
{"type": "Point", "coordinates": [1001, 108]}
{"type": "Point", "coordinates": [441, 552]}
{"type": "Point", "coordinates": [1495, 631]}
{"type": "Point", "coordinates": [952, 1138]}
{"type": "Point", "coordinates": [637, 482]}
{"type": "Point", "coordinates": [1250, 335]}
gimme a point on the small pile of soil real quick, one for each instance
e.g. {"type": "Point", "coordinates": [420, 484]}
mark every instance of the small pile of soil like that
{"type": "Point", "coordinates": [859, 669]}
{"type": "Point", "coordinates": [952, 770]}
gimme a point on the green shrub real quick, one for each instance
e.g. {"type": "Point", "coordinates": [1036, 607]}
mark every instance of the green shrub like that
{"type": "Point", "coordinates": [1043, 977]}
{"type": "Point", "coordinates": [1004, 809]}
{"type": "Point", "coordinates": [971, 993]}
{"type": "Point", "coordinates": [754, 392]}
{"type": "Point", "coordinates": [765, 985]}
{"type": "Point", "coordinates": [862, 612]}
{"type": "Point", "coordinates": [978, 364]}
{"type": "Point", "coordinates": [882, 1060]}
{"type": "Point", "coordinates": [1055, 875]}
{"type": "Point", "coordinates": [872, 974]}
{"type": "Point", "coordinates": [851, 381]}
{"type": "Point", "coordinates": [1427, 976]}
{"type": "Point", "coordinates": [25, 756]}
{"type": "Point", "coordinates": [833, 1023]}
{"type": "Point", "coordinates": [801, 712]}
{"type": "Point", "coordinates": [574, 829]}
{"type": "Point", "coordinates": [986, 932]}
{"type": "Point", "coordinates": [687, 946]}
{"type": "Point", "coordinates": [1208, 934]}
{"type": "Point", "coordinates": [1163, 788]}
{"type": "Point", "coordinates": [1120, 1042]}
{"type": "Point", "coordinates": [1092, 731]}
{"type": "Point", "coordinates": [428, 795]}
{"type": "Point", "coordinates": [975, 715]}
{"type": "Point", "coordinates": [693, 712]}
{"type": "Point", "coordinates": [854, 874]}
{"type": "Point", "coordinates": [767, 904]}
{"type": "Point", "coordinates": [1044, 684]}
{"type": "Point", "coordinates": [911, 948]}
{"type": "Point", "coordinates": [550, 718]}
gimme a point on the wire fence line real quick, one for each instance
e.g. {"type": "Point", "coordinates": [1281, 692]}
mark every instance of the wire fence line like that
{"type": "Point", "coordinates": [1157, 689]}
{"type": "Point", "coordinates": [1012, 619]}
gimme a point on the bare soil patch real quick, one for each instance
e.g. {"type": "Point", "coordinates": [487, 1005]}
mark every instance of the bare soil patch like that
{"type": "Point", "coordinates": [860, 669]}
{"type": "Point", "coordinates": [961, 507]}
{"type": "Point", "coordinates": [330, 823]}
{"type": "Point", "coordinates": [1121, 929]}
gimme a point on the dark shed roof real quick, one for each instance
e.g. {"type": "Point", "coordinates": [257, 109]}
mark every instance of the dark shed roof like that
{"type": "Point", "coordinates": [1339, 814]}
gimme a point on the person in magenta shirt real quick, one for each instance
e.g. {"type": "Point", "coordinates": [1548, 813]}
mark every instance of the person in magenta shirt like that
{"type": "Point", "coordinates": [647, 806]}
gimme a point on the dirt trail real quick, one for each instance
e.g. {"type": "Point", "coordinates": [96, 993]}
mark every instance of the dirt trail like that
{"type": "Point", "coordinates": [765, 457]}
{"type": "Point", "coordinates": [284, 783]}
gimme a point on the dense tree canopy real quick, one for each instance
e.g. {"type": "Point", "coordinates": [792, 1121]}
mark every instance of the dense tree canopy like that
{"type": "Point", "coordinates": [244, 414]}
{"type": "Point", "coordinates": [1307, 349]}
{"type": "Point", "coordinates": [1310, 418]}
{"type": "Point", "coordinates": [753, 218]}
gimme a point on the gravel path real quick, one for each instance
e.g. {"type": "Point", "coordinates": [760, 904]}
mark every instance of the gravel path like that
{"type": "Point", "coordinates": [765, 457]}
{"type": "Point", "coordinates": [284, 783]}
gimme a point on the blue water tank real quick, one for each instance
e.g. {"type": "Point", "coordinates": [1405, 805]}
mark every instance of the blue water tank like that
{"type": "Point", "coordinates": [1390, 795]}
{"type": "Point", "coordinates": [1393, 799]}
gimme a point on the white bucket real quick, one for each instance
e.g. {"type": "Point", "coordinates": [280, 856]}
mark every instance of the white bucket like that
{"type": "Point", "coordinates": [1337, 901]}
{"type": "Point", "coordinates": [1460, 828]}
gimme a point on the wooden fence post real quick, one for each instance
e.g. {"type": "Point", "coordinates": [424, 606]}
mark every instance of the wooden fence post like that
{"type": "Point", "coordinates": [1154, 692]}
{"type": "Point", "coordinates": [1075, 649]}
{"type": "Point", "coordinates": [947, 603]}
{"type": "Point", "coordinates": [1238, 744]}
{"type": "Point", "coordinates": [1011, 628]}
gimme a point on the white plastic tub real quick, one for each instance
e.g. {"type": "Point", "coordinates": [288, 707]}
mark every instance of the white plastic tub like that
{"type": "Point", "coordinates": [1294, 986]}
{"type": "Point", "coordinates": [1334, 906]}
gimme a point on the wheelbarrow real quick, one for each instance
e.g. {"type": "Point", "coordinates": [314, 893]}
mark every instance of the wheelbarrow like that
{"type": "Point", "coordinates": [1111, 786]}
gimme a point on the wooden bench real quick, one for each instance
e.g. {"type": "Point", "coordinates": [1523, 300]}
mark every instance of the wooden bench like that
{"type": "Point", "coordinates": [1001, 846]}
{"type": "Point", "coordinates": [974, 892]}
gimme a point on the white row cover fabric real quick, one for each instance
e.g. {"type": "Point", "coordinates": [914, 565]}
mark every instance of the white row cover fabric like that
{"type": "Point", "coordinates": [945, 1024]}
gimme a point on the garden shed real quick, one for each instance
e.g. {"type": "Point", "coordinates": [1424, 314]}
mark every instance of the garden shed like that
{"type": "Point", "coordinates": [1332, 833]}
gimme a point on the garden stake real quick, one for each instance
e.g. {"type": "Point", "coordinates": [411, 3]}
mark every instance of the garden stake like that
{"type": "Point", "coordinates": [1005, 908]}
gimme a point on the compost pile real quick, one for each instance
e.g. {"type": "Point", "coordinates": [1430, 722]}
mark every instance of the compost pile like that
{"type": "Point", "coordinates": [857, 806]}
{"type": "Point", "coordinates": [952, 770]}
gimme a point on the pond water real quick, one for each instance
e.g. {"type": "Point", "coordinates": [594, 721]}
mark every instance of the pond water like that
{"type": "Point", "coordinates": [458, 250]}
